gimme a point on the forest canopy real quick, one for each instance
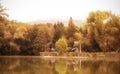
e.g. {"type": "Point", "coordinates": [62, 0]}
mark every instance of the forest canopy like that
{"type": "Point", "coordinates": [100, 33]}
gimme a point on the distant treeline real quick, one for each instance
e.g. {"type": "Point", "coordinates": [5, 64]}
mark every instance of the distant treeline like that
{"type": "Point", "coordinates": [100, 33]}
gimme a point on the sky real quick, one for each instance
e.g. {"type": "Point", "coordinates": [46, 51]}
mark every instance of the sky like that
{"type": "Point", "coordinates": [30, 10]}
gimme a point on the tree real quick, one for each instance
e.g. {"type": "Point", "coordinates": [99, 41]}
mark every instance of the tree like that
{"type": "Point", "coordinates": [103, 28]}
{"type": "Point", "coordinates": [79, 38]}
{"type": "Point", "coordinates": [71, 28]}
{"type": "Point", "coordinates": [58, 31]}
{"type": "Point", "coordinates": [70, 32]}
{"type": "Point", "coordinates": [3, 16]}
{"type": "Point", "coordinates": [3, 20]}
{"type": "Point", "coordinates": [40, 43]}
{"type": "Point", "coordinates": [29, 44]}
{"type": "Point", "coordinates": [61, 45]}
{"type": "Point", "coordinates": [2, 29]}
{"type": "Point", "coordinates": [2, 11]}
{"type": "Point", "coordinates": [5, 45]}
{"type": "Point", "coordinates": [112, 30]}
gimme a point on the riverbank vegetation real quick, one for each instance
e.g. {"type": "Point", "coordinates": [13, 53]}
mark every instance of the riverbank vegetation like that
{"type": "Point", "coordinates": [99, 33]}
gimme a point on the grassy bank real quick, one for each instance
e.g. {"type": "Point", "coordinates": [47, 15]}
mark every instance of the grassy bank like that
{"type": "Point", "coordinates": [83, 54]}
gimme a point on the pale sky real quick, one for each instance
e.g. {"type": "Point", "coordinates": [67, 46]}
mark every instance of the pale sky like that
{"type": "Point", "coordinates": [30, 10]}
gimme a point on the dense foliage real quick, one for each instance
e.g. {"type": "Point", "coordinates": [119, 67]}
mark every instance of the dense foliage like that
{"type": "Point", "coordinates": [100, 32]}
{"type": "Point", "coordinates": [61, 45]}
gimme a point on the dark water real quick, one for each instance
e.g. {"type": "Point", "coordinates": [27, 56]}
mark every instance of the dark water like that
{"type": "Point", "coordinates": [38, 65]}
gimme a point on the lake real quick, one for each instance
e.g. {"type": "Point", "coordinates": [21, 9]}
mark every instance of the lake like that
{"type": "Point", "coordinates": [54, 65]}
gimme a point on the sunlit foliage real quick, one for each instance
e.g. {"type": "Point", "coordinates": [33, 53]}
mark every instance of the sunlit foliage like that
{"type": "Point", "coordinates": [100, 32]}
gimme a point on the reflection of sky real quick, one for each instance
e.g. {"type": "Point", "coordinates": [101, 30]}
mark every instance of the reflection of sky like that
{"type": "Point", "coordinates": [28, 10]}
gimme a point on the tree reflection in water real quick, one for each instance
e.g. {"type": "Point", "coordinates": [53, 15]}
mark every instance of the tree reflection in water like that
{"type": "Point", "coordinates": [27, 65]}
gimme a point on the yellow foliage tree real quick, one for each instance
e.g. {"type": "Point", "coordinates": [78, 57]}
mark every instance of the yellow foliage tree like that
{"type": "Point", "coordinates": [61, 45]}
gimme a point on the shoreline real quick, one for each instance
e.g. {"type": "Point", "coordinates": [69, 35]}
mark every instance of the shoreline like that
{"type": "Point", "coordinates": [71, 55]}
{"type": "Point", "coordinates": [62, 57]}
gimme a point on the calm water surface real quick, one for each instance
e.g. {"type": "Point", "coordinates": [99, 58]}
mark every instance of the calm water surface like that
{"type": "Point", "coordinates": [40, 65]}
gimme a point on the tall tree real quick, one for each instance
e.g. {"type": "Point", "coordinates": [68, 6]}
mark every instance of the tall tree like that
{"type": "Point", "coordinates": [103, 29]}
{"type": "Point", "coordinates": [3, 16]}
{"type": "Point", "coordinates": [70, 32]}
{"type": "Point", "coordinates": [2, 11]}
{"type": "Point", "coordinates": [58, 31]}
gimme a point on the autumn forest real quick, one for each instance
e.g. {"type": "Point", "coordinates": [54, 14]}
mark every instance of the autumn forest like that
{"type": "Point", "coordinates": [99, 33]}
